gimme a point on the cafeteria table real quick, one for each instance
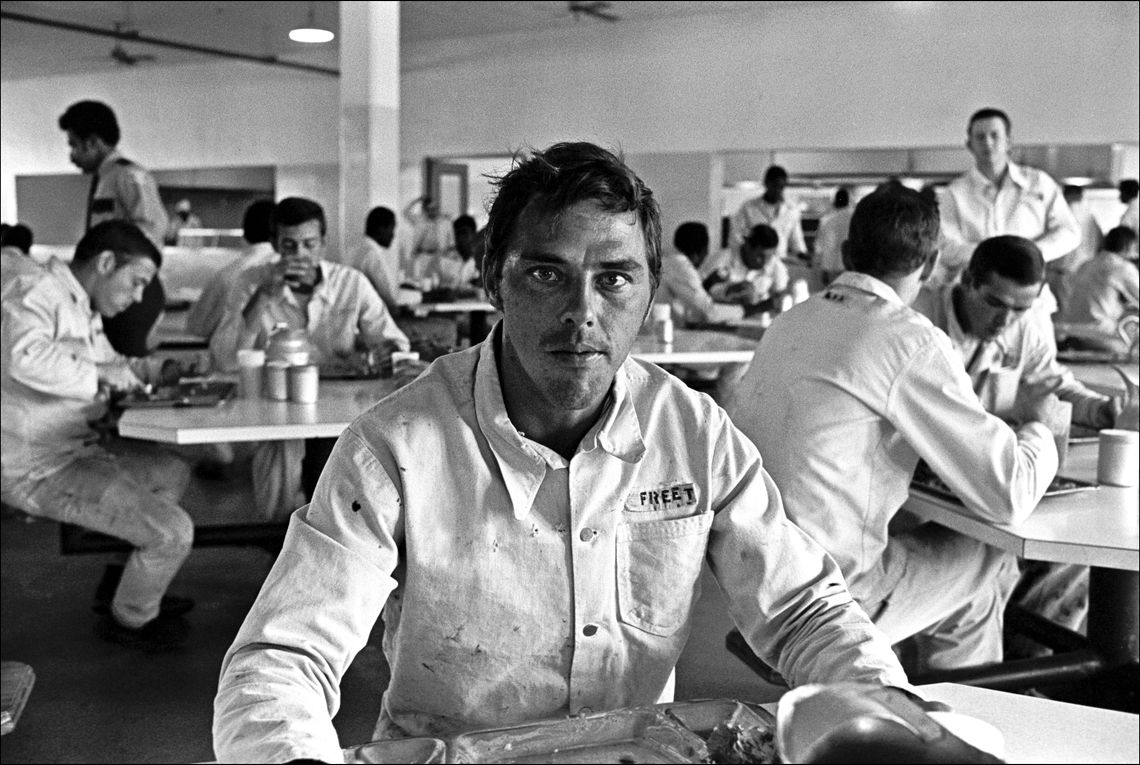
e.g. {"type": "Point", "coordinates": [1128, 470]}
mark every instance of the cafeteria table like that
{"type": "Point", "coordinates": [695, 347]}
{"type": "Point", "coordinates": [477, 310]}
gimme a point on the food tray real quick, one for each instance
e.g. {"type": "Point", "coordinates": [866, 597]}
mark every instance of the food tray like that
{"type": "Point", "coordinates": [398, 750]}
{"type": "Point", "coordinates": [185, 393]}
{"type": "Point", "coordinates": [636, 735]}
{"type": "Point", "coordinates": [925, 480]}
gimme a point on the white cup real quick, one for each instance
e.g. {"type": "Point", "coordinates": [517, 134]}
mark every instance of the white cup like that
{"type": "Point", "coordinates": [1118, 458]}
{"type": "Point", "coordinates": [662, 311]}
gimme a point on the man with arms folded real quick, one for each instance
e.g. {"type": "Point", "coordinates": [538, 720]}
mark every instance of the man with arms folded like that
{"type": "Point", "coordinates": [56, 360]}
{"type": "Point", "coordinates": [549, 562]}
{"type": "Point", "coordinates": [846, 392]}
{"type": "Point", "coordinates": [334, 303]}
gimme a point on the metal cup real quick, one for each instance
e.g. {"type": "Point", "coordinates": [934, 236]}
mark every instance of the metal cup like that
{"type": "Point", "coordinates": [277, 380]}
{"type": "Point", "coordinates": [304, 383]}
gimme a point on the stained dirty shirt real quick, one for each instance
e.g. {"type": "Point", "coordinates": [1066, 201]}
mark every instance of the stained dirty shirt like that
{"type": "Point", "coordinates": [52, 341]}
{"type": "Point", "coordinates": [516, 585]}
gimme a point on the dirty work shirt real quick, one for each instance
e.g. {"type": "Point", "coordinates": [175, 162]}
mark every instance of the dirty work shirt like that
{"type": "Point", "coordinates": [516, 585]}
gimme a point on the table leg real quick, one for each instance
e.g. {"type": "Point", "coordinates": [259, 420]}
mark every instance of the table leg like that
{"type": "Point", "coordinates": [1114, 614]}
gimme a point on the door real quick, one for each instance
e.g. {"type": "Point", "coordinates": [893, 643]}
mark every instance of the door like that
{"type": "Point", "coordinates": [447, 184]}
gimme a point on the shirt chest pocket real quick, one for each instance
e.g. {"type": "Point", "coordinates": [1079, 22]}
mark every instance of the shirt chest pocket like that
{"type": "Point", "coordinates": [658, 567]}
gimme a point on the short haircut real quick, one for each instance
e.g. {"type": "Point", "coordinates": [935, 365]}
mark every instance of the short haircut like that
{"type": "Point", "coordinates": [123, 238]}
{"type": "Point", "coordinates": [1119, 240]}
{"type": "Point", "coordinates": [1129, 187]}
{"type": "Point", "coordinates": [257, 223]}
{"type": "Point", "coordinates": [893, 231]}
{"type": "Point", "coordinates": [842, 198]}
{"type": "Point", "coordinates": [554, 179]}
{"type": "Point", "coordinates": [464, 221]}
{"type": "Point", "coordinates": [88, 118]}
{"type": "Point", "coordinates": [764, 236]}
{"type": "Point", "coordinates": [691, 237]}
{"type": "Point", "coordinates": [775, 173]}
{"type": "Point", "coordinates": [988, 113]}
{"type": "Point", "coordinates": [293, 211]}
{"type": "Point", "coordinates": [1013, 257]}
{"type": "Point", "coordinates": [18, 236]}
{"type": "Point", "coordinates": [379, 218]}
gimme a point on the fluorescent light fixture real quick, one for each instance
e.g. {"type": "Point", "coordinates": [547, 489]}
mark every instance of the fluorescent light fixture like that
{"type": "Point", "coordinates": [310, 32]}
{"type": "Point", "coordinates": [1078, 180]}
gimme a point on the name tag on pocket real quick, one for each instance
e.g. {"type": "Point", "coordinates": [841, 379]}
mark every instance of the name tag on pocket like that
{"type": "Point", "coordinates": [667, 497]}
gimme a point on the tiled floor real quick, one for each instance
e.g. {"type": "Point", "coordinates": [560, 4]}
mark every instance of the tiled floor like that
{"type": "Point", "coordinates": [96, 702]}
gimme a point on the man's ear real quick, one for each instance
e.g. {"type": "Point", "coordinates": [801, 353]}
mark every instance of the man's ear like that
{"type": "Point", "coordinates": [846, 256]}
{"type": "Point", "coordinates": [105, 263]}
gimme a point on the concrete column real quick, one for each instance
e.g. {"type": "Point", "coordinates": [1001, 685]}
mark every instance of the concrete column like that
{"type": "Point", "coordinates": [369, 113]}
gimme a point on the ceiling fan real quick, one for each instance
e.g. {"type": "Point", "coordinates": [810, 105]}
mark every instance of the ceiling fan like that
{"type": "Point", "coordinates": [598, 9]}
{"type": "Point", "coordinates": [121, 55]}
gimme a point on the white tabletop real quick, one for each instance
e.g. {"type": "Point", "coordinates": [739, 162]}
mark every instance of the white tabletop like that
{"type": "Point", "coordinates": [1092, 528]}
{"type": "Point", "coordinates": [455, 306]}
{"type": "Point", "coordinates": [693, 347]}
{"type": "Point", "coordinates": [1043, 730]}
{"type": "Point", "coordinates": [259, 419]}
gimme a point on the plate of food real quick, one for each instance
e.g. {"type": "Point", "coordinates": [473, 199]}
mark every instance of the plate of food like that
{"type": "Point", "coordinates": [186, 392]}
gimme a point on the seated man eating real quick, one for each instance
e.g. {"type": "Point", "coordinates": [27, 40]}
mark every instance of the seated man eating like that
{"type": "Point", "coordinates": [530, 515]}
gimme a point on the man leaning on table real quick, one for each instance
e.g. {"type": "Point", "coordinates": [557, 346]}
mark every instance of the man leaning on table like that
{"type": "Point", "coordinates": [846, 392]}
{"type": "Point", "coordinates": [531, 515]}
{"type": "Point", "coordinates": [56, 362]}
{"type": "Point", "coordinates": [335, 304]}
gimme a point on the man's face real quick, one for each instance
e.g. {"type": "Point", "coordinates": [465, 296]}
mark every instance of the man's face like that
{"type": "Point", "coordinates": [574, 292]}
{"type": "Point", "coordinates": [996, 303]}
{"type": "Point", "coordinates": [988, 141]}
{"type": "Point", "coordinates": [301, 248]}
{"type": "Point", "coordinates": [774, 187]}
{"type": "Point", "coordinates": [86, 154]}
{"type": "Point", "coordinates": [755, 256]}
{"type": "Point", "coordinates": [116, 288]}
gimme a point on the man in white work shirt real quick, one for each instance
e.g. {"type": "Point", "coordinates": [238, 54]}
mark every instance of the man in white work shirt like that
{"type": "Point", "coordinates": [846, 392]}
{"type": "Point", "coordinates": [531, 515]}
{"type": "Point", "coordinates": [998, 197]}
{"type": "Point", "coordinates": [375, 257]}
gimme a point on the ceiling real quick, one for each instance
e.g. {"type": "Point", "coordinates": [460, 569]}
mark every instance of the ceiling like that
{"type": "Point", "coordinates": [260, 28]}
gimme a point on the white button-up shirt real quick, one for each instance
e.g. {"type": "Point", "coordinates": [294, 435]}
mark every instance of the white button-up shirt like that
{"type": "Point", "coordinates": [381, 266]}
{"type": "Point", "coordinates": [127, 191]}
{"type": "Point", "coordinates": [342, 306]}
{"type": "Point", "coordinates": [210, 307]}
{"type": "Point", "coordinates": [1028, 203]}
{"type": "Point", "coordinates": [516, 585]}
{"type": "Point", "coordinates": [1101, 291]}
{"type": "Point", "coordinates": [681, 287]}
{"type": "Point", "coordinates": [846, 392]}
{"type": "Point", "coordinates": [52, 341]}
{"type": "Point", "coordinates": [782, 216]}
{"type": "Point", "coordinates": [1017, 363]}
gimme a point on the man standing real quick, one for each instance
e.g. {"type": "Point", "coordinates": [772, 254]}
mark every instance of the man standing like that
{"type": "Point", "coordinates": [375, 257]}
{"type": "Point", "coordinates": [772, 209]}
{"type": "Point", "coordinates": [846, 393]}
{"type": "Point", "coordinates": [829, 237]}
{"type": "Point", "coordinates": [548, 565]}
{"type": "Point", "coordinates": [120, 190]}
{"type": "Point", "coordinates": [333, 303]}
{"type": "Point", "coordinates": [56, 361]}
{"type": "Point", "coordinates": [999, 197]}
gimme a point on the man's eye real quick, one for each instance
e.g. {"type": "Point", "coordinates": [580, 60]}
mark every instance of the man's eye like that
{"type": "Point", "coordinates": [544, 274]}
{"type": "Point", "coordinates": [613, 280]}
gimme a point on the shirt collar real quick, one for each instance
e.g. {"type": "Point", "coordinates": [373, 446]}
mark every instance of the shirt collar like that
{"type": "Point", "coordinates": [954, 329]}
{"type": "Point", "coordinates": [522, 462]}
{"type": "Point", "coordinates": [78, 295]}
{"type": "Point", "coordinates": [113, 157]}
{"type": "Point", "coordinates": [1015, 173]}
{"type": "Point", "coordinates": [867, 283]}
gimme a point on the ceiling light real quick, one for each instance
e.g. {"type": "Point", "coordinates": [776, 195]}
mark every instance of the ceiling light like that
{"type": "Point", "coordinates": [309, 32]}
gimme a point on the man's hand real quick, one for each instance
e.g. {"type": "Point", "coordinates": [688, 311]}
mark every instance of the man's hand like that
{"type": "Point", "coordinates": [117, 376]}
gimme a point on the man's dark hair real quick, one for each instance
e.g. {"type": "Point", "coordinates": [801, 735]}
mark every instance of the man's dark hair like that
{"type": "Point", "coordinates": [1129, 189]}
{"type": "Point", "coordinates": [987, 113]}
{"type": "Point", "coordinates": [464, 222]}
{"type": "Point", "coordinates": [121, 237]}
{"type": "Point", "coordinates": [1013, 257]}
{"type": "Point", "coordinates": [88, 118]}
{"type": "Point", "coordinates": [893, 232]}
{"type": "Point", "coordinates": [1119, 240]}
{"type": "Point", "coordinates": [18, 236]}
{"type": "Point", "coordinates": [764, 236]}
{"type": "Point", "coordinates": [293, 211]}
{"type": "Point", "coordinates": [257, 223]}
{"type": "Point", "coordinates": [775, 173]}
{"type": "Point", "coordinates": [554, 179]}
{"type": "Point", "coordinates": [379, 218]}
{"type": "Point", "coordinates": [691, 238]}
{"type": "Point", "coordinates": [842, 198]}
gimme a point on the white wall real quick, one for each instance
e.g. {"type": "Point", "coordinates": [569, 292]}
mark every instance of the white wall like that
{"type": "Point", "coordinates": [833, 76]}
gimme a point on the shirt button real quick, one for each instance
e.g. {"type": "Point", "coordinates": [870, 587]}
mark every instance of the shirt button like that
{"type": "Point", "coordinates": [588, 535]}
{"type": "Point", "coordinates": [590, 630]}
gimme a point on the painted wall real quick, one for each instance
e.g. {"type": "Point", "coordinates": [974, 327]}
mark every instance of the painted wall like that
{"type": "Point", "coordinates": [834, 76]}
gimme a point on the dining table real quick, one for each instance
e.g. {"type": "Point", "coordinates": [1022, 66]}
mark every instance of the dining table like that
{"type": "Point", "coordinates": [695, 347]}
{"type": "Point", "coordinates": [1096, 527]}
{"type": "Point", "coordinates": [477, 309]}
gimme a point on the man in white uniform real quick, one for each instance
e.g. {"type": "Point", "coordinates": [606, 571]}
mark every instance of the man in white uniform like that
{"type": "Point", "coordinates": [376, 258]}
{"type": "Point", "coordinates": [846, 392]}
{"type": "Point", "coordinates": [549, 563]}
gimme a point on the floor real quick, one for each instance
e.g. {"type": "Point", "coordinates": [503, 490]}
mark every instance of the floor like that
{"type": "Point", "coordinates": [97, 702]}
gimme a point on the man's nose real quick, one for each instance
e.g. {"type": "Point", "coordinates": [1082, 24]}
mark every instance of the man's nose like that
{"type": "Point", "coordinates": [579, 310]}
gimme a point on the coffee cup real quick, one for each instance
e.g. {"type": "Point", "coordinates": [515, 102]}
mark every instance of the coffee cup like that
{"type": "Point", "coordinates": [1118, 457]}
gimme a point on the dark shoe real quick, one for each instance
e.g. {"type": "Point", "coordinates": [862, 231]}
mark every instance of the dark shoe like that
{"type": "Point", "coordinates": [172, 605]}
{"type": "Point", "coordinates": [157, 635]}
